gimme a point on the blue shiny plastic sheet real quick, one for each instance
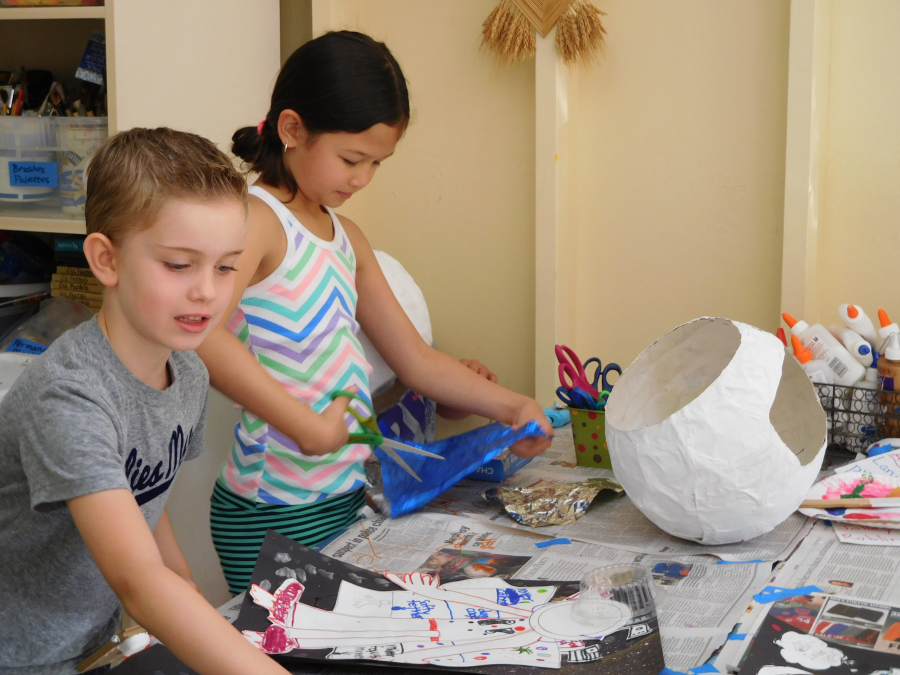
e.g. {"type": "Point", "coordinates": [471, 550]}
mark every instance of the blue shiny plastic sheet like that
{"type": "Point", "coordinates": [464, 454]}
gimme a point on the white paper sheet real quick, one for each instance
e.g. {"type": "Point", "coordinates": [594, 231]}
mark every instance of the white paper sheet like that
{"type": "Point", "coordinates": [866, 536]}
{"type": "Point", "coordinates": [887, 464]}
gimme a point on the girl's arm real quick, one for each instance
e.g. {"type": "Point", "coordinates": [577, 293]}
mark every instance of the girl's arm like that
{"type": "Point", "coordinates": [235, 372]}
{"type": "Point", "coordinates": [479, 369]}
{"type": "Point", "coordinates": [426, 370]}
{"type": "Point", "coordinates": [117, 535]}
{"type": "Point", "coordinates": [170, 551]}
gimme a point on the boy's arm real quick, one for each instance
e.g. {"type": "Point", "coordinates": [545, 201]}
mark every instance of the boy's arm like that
{"type": "Point", "coordinates": [116, 534]}
{"type": "Point", "coordinates": [170, 551]}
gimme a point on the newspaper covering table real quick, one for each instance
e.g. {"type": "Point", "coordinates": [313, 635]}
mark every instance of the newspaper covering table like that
{"type": "Point", "coordinates": [462, 535]}
{"type": "Point", "coordinates": [838, 568]}
{"type": "Point", "coordinates": [614, 520]}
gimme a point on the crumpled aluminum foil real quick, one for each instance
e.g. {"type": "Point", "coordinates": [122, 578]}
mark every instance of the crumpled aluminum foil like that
{"type": "Point", "coordinates": [550, 504]}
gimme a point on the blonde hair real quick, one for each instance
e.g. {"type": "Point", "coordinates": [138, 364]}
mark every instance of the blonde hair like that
{"type": "Point", "coordinates": [133, 174]}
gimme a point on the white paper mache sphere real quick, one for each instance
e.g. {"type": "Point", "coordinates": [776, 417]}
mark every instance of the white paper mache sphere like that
{"type": "Point", "coordinates": [715, 435]}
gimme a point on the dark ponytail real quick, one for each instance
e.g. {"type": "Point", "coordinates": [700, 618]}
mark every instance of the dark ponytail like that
{"type": "Point", "coordinates": [341, 81]}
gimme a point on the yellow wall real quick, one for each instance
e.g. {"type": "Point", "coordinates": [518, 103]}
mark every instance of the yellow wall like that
{"type": "Point", "coordinates": [674, 196]}
{"type": "Point", "coordinates": [679, 171]}
{"type": "Point", "coordinates": [455, 204]}
{"type": "Point", "coordinates": [296, 25]}
{"type": "Point", "coordinates": [859, 237]}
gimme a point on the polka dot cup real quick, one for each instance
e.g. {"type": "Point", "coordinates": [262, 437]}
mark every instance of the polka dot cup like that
{"type": "Point", "coordinates": [589, 432]}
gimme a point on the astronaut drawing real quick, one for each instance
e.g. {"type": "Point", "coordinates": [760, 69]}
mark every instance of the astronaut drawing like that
{"type": "Point", "coordinates": [472, 622]}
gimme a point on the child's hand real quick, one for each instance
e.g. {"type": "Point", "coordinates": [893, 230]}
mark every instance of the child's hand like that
{"type": "Point", "coordinates": [529, 447]}
{"type": "Point", "coordinates": [332, 434]}
{"type": "Point", "coordinates": [478, 368]}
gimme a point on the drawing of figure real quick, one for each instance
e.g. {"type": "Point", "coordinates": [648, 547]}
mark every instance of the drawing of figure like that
{"type": "Point", "coordinates": [513, 633]}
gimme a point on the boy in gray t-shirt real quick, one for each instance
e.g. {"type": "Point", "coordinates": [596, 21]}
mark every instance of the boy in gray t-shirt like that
{"type": "Point", "coordinates": [93, 433]}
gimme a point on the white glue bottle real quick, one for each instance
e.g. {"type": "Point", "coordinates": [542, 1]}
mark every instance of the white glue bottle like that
{"type": "Point", "coordinates": [887, 329]}
{"type": "Point", "coordinates": [816, 369]}
{"type": "Point", "coordinates": [824, 347]}
{"type": "Point", "coordinates": [856, 319]}
{"type": "Point", "coordinates": [854, 343]}
{"type": "Point", "coordinates": [864, 405]}
{"type": "Point", "coordinates": [889, 379]}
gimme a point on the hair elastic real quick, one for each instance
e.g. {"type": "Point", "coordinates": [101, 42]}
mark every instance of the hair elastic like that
{"type": "Point", "coordinates": [259, 127]}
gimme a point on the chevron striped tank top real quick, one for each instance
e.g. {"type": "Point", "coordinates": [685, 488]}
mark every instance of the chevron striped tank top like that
{"type": "Point", "coordinates": [300, 323]}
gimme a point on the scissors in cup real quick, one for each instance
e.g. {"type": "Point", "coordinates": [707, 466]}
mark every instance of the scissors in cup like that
{"type": "Point", "coordinates": [571, 372]}
{"type": "Point", "coordinates": [375, 438]}
{"type": "Point", "coordinates": [600, 382]}
{"type": "Point", "coordinates": [576, 398]}
{"type": "Point", "coordinates": [579, 398]}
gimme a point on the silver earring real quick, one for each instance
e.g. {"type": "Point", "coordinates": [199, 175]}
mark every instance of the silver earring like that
{"type": "Point", "coordinates": [285, 146]}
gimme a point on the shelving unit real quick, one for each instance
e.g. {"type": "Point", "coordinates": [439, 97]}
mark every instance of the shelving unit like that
{"type": "Point", "coordinates": [51, 38]}
{"type": "Point", "coordinates": [14, 13]}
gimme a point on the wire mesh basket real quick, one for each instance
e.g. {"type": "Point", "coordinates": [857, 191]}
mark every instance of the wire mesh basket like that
{"type": "Point", "coordinates": [858, 417]}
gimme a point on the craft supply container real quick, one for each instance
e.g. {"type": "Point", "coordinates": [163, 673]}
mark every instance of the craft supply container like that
{"type": "Point", "coordinates": [78, 138]}
{"type": "Point", "coordinates": [589, 433]}
{"type": "Point", "coordinates": [859, 417]}
{"type": "Point", "coordinates": [67, 142]}
{"type": "Point", "coordinates": [25, 139]}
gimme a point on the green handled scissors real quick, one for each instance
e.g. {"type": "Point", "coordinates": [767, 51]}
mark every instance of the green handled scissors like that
{"type": "Point", "coordinates": [375, 438]}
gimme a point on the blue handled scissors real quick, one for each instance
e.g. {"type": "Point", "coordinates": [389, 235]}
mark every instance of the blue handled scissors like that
{"type": "Point", "coordinates": [570, 367]}
{"type": "Point", "coordinates": [600, 373]}
{"type": "Point", "coordinates": [576, 398]}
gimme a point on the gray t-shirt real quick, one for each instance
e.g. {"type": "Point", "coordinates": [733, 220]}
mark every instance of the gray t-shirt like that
{"type": "Point", "coordinates": [78, 422]}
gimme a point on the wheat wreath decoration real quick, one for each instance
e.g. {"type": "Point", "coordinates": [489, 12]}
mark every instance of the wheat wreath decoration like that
{"type": "Point", "coordinates": [509, 29]}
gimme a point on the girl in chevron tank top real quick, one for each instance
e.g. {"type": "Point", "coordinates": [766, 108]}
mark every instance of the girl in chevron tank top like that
{"type": "Point", "coordinates": [305, 284]}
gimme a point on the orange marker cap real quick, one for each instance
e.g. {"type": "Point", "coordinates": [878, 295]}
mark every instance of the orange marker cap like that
{"type": "Point", "coordinates": [883, 318]}
{"type": "Point", "coordinates": [852, 312]}
{"type": "Point", "coordinates": [789, 320]}
{"type": "Point", "coordinates": [800, 352]}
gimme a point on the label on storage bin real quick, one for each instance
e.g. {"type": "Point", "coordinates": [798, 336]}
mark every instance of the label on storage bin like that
{"type": "Point", "coordinates": [24, 346]}
{"type": "Point", "coordinates": [32, 174]}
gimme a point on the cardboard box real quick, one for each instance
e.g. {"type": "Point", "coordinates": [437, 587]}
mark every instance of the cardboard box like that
{"type": "Point", "coordinates": [500, 468]}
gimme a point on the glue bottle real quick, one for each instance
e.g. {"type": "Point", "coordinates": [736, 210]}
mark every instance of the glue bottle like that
{"type": "Point", "coordinates": [825, 347]}
{"type": "Point", "coordinates": [864, 405]}
{"type": "Point", "coordinates": [854, 343]}
{"type": "Point", "coordinates": [887, 329]}
{"type": "Point", "coordinates": [816, 369]}
{"type": "Point", "coordinates": [889, 381]}
{"type": "Point", "coordinates": [856, 319]}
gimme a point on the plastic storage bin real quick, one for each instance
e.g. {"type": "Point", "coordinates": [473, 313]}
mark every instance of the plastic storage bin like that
{"type": "Point", "coordinates": [53, 150]}
{"type": "Point", "coordinates": [77, 138]}
{"type": "Point", "coordinates": [27, 159]}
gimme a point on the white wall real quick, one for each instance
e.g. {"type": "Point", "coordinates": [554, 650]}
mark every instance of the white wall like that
{"type": "Point", "coordinates": [205, 66]}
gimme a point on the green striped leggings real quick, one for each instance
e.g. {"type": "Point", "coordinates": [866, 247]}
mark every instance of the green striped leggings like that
{"type": "Point", "coordinates": [239, 527]}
